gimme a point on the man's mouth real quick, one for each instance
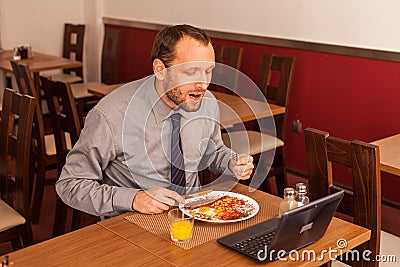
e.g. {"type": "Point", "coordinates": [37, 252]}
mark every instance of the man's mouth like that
{"type": "Point", "coordinates": [196, 96]}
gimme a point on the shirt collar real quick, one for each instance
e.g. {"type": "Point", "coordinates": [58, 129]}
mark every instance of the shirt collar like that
{"type": "Point", "coordinates": [160, 110]}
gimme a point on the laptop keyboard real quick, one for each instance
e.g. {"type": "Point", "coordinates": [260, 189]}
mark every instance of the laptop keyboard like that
{"type": "Point", "coordinates": [253, 245]}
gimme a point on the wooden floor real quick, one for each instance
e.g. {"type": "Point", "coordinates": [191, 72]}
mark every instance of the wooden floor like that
{"type": "Point", "coordinates": [42, 231]}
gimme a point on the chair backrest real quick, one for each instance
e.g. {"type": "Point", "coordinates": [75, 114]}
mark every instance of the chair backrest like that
{"type": "Point", "coordinates": [64, 116]}
{"type": "Point", "coordinates": [73, 45]}
{"type": "Point", "coordinates": [275, 82]}
{"type": "Point", "coordinates": [227, 74]}
{"type": "Point", "coordinates": [24, 79]}
{"type": "Point", "coordinates": [66, 126]}
{"type": "Point", "coordinates": [363, 200]}
{"type": "Point", "coordinates": [229, 55]}
{"type": "Point", "coordinates": [26, 85]}
{"type": "Point", "coordinates": [15, 143]}
{"type": "Point", "coordinates": [109, 61]}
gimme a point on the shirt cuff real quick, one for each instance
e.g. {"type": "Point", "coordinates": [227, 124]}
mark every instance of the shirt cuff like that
{"type": "Point", "coordinates": [123, 198]}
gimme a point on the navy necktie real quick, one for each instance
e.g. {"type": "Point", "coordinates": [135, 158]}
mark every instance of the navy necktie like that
{"type": "Point", "coordinates": [178, 178]}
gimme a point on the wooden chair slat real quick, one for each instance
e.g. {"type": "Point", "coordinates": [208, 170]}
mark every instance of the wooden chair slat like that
{"type": "Point", "coordinates": [225, 74]}
{"type": "Point", "coordinates": [43, 161]}
{"type": "Point", "coordinates": [65, 119]}
{"type": "Point", "coordinates": [279, 94]}
{"type": "Point", "coordinates": [363, 202]}
{"type": "Point", "coordinates": [15, 163]}
{"type": "Point", "coordinates": [73, 45]}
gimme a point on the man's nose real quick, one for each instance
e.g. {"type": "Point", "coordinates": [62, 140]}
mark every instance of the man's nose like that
{"type": "Point", "coordinates": [202, 85]}
{"type": "Point", "coordinates": [203, 81]}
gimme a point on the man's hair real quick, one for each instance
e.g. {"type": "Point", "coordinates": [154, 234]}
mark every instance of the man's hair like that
{"type": "Point", "coordinates": [165, 41]}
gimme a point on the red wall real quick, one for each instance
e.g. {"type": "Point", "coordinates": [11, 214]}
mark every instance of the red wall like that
{"type": "Point", "coordinates": [350, 97]}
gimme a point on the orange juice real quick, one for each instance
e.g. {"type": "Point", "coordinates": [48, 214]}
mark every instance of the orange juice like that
{"type": "Point", "coordinates": [181, 230]}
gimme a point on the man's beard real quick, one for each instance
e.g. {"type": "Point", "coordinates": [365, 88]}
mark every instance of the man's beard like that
{"type": "Point", "coordinates": [174, 93]}
{"type": "Point", "coordinates": [177, 98]}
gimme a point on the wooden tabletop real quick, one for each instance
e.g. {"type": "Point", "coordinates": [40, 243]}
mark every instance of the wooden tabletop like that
{"type": "Point", "coordinates": [38, 62]}
{"type": "Point", "coordinates": [214, 254]}
{"type": "Point", "coordinates": [233, 109]}
{"type": "Point", "coordinates": [104, 90]}
{"type": "Point", "coordinates": [389, 149]}
{"type": "Point", "coordinates": [89, 246]}
{"type": "Point", "coordinates": [119, 242]}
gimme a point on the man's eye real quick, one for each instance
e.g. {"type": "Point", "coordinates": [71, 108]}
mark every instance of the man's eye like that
{"type": "Point", "coordinates": [190, 72]}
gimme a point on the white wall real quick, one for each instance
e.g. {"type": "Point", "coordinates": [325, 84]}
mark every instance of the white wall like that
{"type": "Point", "coordinates": [93, 10]}
{"type": "Point", "coordinates": [40, 23]}
{"type": "Point", "coordinates": [360, 23]}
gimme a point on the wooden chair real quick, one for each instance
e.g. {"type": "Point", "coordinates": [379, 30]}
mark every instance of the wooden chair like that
{"type": "Point", "coordinates": [109, 62]}
{"type": "Point", "coordinates": [109, 70]}
{"type": "Point", "coordinates": [73, 49]}
{"type": "Point", "coordinates": [15, 166]}
{"type": "Point", "coordinates": [44, 149]}
{"type": "Point", "coordinates": [275, 81]}
{"type": "Point", "coordinates": [225, 74]}
{"type": "Point", "coordinates": [363, 200]}
{"type": "Point", "coordinates": [67, 129]}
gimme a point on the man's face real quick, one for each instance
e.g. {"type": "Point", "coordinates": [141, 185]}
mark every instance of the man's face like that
{"type": "Point", "coordinates": [189, 75]}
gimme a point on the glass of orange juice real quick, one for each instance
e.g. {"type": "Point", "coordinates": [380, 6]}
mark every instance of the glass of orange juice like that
{"type": "Point", "coordinates": [181, 225]}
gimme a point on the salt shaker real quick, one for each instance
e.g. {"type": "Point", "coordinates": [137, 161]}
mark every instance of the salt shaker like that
{"type": "Point", "coordinates": [301, 194]}
{"type": "Point", "coordinates": [288, 201]}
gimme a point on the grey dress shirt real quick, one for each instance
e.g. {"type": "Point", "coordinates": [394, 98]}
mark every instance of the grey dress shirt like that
{"type": "Point", "coordinates": [124, 147]}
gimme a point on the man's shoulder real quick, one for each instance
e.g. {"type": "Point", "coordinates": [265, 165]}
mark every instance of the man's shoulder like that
{"type": "Point", "coordinates": [120, 97]}
{"type": "Point", "coordinates": [209, 101]}
{"type": "Point", "coordinates": [209, 94]}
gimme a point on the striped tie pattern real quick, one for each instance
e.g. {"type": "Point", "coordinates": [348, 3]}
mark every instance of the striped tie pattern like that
{"type": "Point", "coordinates": [178, 178]}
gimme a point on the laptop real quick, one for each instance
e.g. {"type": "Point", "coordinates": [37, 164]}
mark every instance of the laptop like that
{"type": "Point", "coordinates": [277, 237]}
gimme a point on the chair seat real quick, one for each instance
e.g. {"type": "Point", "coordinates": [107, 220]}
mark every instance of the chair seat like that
{"type": "Point", "coordinates": [250, 142]}
{"type": "Point", "coordinates": [390, 245]}
{"type": "Point", "coordinates": [80, 90]}
{"type": "Point", "coordinates": [64, 77]}
{"type": "Point", "coordinates": [51, 144]}
{"type": "Point", "coordinates": [9, 217]}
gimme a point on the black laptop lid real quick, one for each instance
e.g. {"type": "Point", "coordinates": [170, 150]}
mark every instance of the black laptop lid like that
{"type": "Point", "coordinates": [296, 229]}
{"type": "Point", "coordinates": [304, 225]}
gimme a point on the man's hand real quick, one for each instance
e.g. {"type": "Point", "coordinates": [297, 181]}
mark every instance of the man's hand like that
{"type": "Point", "coordinates": [156, 200]}
{"type": "Point", "coordinates": [242, 166]}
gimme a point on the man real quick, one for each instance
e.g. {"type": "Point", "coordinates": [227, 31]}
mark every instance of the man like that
{"type": "Point", "coordinates": [122, 161]}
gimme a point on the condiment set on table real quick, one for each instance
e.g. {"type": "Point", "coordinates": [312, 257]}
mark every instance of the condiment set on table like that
{"type": "Point", "coordinates": [200, 207]}
{"type": "Point", "coordinates": [22, 52]}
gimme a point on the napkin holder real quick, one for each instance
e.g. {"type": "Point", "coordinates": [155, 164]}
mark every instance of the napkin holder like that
{"type": "Point", "coordinates": [22, 52]}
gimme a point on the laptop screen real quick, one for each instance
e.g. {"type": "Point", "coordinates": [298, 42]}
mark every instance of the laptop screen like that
{"type": "Point", "coordinates": [296, 229]}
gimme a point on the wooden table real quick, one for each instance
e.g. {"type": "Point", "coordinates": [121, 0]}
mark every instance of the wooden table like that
{"type": "Point", "coordinates": [89, 246]}
{"type": "Point", "coordinates": [39, 62]}
{"type": "Point", "coordinates": [233, 109]}
{"type": "Point", "coordinates": [214, 254]}
{"type": "Point", "coordinates": [389, 149]}
{"type": "Point", "coordinates": [118, 242]}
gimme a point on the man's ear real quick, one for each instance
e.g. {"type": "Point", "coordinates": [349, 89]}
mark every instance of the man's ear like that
{"type": "Point", "coordinates": [158, 69]}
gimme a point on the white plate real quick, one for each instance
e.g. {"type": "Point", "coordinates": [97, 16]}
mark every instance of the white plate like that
{"type": "Point", "coordinates": [249, 201]}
